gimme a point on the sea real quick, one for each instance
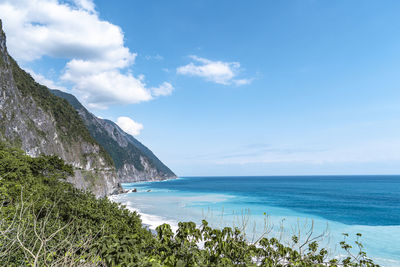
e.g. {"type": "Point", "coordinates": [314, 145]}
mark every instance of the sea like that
{"type": "Point", "coordinates": [325, 207]}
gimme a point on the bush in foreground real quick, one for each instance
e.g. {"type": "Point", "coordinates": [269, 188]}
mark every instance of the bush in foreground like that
{"type": "Point", "coordinates": [45, 221]}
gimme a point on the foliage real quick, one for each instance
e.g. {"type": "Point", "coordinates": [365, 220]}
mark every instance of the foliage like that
{"type": "Point", "coordinates": [44, 221]}
{"type": "Point", "coordinates": [37, 188]}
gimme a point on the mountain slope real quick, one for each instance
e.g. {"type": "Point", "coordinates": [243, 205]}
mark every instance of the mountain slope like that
{"type": "Point", "coordinates": [133, 161]}
{"type": "Point", "coordinates": [41, 123]}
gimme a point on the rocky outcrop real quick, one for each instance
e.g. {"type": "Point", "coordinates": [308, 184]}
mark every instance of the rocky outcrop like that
{"type": "Point", "coordinates": [39, 122]}
{"type": "Point", "coordinates": [133, 161]}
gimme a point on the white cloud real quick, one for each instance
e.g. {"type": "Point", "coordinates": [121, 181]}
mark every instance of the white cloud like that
{"type": "Point", "coordinates": [46, 27]}
{"type": "Point", "coordinates": [129, 125]}
{"type": "Point", "coordinates": [242, 82]}
{"type": "Point", "coordinates": [156, 57]}
{"type": "Point", "coordinates": [164, 89]}
{"type": "Point", "coordinates": [109, 87]}
{"type": "Point", "coordinates": [85, 4]}
{"type": "Point", "coordinates": [98, 61]}
{"type": "Point", "coordinates": [214, 71]}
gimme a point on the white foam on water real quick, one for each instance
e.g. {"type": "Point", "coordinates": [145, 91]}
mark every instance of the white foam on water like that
{"type": "Point", "coordinates": [148, 220]}
{"type": "Point", "coordinates": [156, 208]}
{"type": "Point", "coordinates": [152, 221]}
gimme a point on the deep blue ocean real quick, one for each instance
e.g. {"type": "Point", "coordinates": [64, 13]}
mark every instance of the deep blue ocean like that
{"type": "Point", "coordinates": [335, 204]}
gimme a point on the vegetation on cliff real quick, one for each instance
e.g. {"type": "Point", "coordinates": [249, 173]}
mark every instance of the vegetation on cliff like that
{"type": "Point", "coordinates": [69, 124]}
{"type": "Point", "coordinates": [45, 221]}
{"type": "Point", "coordinates": [123, 148]}
{"type": "Point", "coordinates": [38, 121]}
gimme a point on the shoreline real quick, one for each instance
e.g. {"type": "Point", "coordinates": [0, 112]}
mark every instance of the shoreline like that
{"type": "Point", "coordinates": [149, 221]}
{"type": "Point", "coordinates": [152, 221]}
{"type": "Point", "coordinates": [164, 202]}
{"type": "Point", "coordinates": [121, 190]}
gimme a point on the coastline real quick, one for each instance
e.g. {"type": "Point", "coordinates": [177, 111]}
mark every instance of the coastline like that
{"type": "Point", "coordinates": [184, 200]}
{"type": "Point", "coordinates": [149, 221]}
{"type": "Point", "coordinates": [152, 221]}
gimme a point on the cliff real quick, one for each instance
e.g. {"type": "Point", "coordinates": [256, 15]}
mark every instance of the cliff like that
{"type": "Point", "coordinates": [51, 122]}
{"type": "Point", "coordinates": [41, 123]}
{"type": "Point", "coordinates": [133, 161]}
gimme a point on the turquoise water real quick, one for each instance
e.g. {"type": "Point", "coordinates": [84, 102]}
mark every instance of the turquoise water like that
{"type": "Point", "coordinates": [282, 206]}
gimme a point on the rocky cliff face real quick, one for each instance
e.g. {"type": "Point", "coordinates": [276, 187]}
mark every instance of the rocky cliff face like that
{"type": "Point", "coordinates": [133, 161]}
{"type": "Point", "coordinates": [39, 122]}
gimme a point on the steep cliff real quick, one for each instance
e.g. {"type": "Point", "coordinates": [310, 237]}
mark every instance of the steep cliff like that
{"type": "Point", "coordinates": [133, 161]}
{"type": "Point", "coordinates": [37, 121]}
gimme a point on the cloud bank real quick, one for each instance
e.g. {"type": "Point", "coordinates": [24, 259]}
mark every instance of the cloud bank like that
{"type": "Point", "coordinates": [214, 71]}
{"type": "Point", "coordinates": [98, 62]}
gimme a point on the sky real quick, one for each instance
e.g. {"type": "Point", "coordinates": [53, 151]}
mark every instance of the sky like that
{"type": "Point", "coordinates": [295, 87]}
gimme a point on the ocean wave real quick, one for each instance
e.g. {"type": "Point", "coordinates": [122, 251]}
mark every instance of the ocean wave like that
{"type": "Point", "coordinates": [150, 221]}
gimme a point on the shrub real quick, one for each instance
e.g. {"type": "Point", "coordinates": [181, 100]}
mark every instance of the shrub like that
{"type": "Point", "coordinates": [45, 221]}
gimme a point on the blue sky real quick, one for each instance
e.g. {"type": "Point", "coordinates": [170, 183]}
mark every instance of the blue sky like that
{"type": "Point", "coordinates": [228, 87]}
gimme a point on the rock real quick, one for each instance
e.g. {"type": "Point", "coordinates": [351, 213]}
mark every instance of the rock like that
{"type": "Point", "coordinates": [38, 122]}
{"type": "Point", "coordinates": [131, 190]}
{"type": "Point", "coordinates": [133, 161]}
{"type": "Point", "coordinates": [119, 190]}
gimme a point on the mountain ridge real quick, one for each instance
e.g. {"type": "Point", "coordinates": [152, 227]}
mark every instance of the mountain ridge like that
{"type": "Point", "coordinates": [134, 161]}
{"type": "Point", "coordinates": [39, 122]}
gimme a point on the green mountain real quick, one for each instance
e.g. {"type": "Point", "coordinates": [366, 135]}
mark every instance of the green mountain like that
{"type": "Point", "coordinates": [39, 122]}
{"type": "Point", "coordinates": [133, 161]}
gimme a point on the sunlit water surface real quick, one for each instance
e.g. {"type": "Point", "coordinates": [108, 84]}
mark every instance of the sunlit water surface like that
{"type": "Point", "coordinates": [282, 205]}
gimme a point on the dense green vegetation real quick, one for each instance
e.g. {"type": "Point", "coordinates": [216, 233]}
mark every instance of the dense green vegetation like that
{"type": "Point", "coordinates": [35, 188]}
{"type": "Point", "coordinates": [45, 221]}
